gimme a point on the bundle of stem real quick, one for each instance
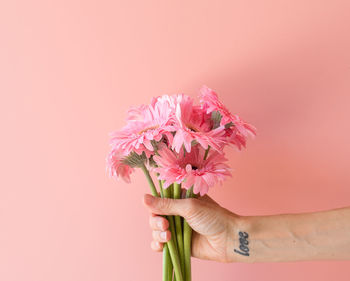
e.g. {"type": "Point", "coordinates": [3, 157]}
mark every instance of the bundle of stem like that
{"type": "Point", "coordinates": [177, 251]}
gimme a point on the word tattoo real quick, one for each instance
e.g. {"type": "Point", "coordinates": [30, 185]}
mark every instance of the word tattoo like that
{"type": "Point", "coordinates": [243, 244]}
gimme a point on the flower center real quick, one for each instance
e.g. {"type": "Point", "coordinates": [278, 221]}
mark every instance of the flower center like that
{"type": "Point", "coordinates": [188, 166]}
{"type": "Point", "coordinates": [192, 128]}
{"type": "Point", "coordinates": [148, 128]}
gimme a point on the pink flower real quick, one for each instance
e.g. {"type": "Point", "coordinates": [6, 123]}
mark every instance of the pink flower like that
{"type": "Point", "coordinates": [116, 166]}
{"type": "Point", "coordinates": [191, 169]}
{"type": "Point", "coordinates": [195, 126]}
{"type": "Point", "coordinates": [237, 130]}
{"type": "Point", "coordinates": [146, 125]}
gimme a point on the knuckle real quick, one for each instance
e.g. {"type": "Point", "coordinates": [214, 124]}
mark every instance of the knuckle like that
{"type": "Point", "coordinates": [164, 204]}
{"type": "Point", "coordinates": [192, 206]}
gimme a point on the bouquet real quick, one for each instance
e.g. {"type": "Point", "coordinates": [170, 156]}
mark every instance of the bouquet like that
{"type": "Point", "coordinates": [182, 145]}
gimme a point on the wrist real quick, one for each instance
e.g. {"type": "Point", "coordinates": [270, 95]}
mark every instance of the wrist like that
{"type": "Point", "coordinates": [269, 239]}
{"type": "Point", "coordinates": [238, 239]}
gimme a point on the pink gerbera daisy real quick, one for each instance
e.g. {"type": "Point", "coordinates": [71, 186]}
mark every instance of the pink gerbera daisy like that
{"type": "Point", "coordinates": [191, 168]}
{"type": "Point", "coordinates": [117, 167]}
{"type": "Point", "coordinates": [237, 130]}
{"type": "Point", "coordinates": [195, 126]}
{"type": "Point", "coordinates": [146, 125]}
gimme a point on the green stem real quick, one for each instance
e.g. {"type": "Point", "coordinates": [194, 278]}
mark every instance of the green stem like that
{"type": "Point", "coordinates": [168, 193]}
{"type": "Point", "coordinates": [187, 242]}
{"type": "Point", "coordinates": [161, 189]}
{"type": "Point", "coordinates": [167, 265]}
{"type": "Point", "coordinates": [178, 227]}
{"type": "Point", "coordinates": [150, 181]}
{"type": "Point", "coordinates": [172, 243]}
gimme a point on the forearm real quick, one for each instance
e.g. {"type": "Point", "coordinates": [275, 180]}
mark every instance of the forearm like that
{"type": "Point", "coordinates": [292, 237]}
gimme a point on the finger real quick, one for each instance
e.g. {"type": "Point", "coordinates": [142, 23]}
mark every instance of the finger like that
{"type": "Point", "coordinates": [158, 223]}
{"type": "Point", "coordinates": [167, 206]}
{"type": "Point", "coordinates": [156, 246]}
{"type": "Point", "coordinates": [161, 236]}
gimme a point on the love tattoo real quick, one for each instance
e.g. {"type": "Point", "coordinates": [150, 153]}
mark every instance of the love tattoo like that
{"type": "Point", "coordinates": [243, 244]}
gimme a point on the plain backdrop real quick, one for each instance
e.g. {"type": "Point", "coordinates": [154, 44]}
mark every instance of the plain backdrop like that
{"type": "Point", "coordinates": [69, 70]}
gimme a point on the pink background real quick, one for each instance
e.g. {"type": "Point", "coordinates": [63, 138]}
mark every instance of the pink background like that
{"type": "Point", "coordinates": [69, 70]}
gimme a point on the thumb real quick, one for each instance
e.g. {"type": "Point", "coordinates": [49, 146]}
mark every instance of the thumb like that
{"type": "Point", "coordinates": [169, 206]}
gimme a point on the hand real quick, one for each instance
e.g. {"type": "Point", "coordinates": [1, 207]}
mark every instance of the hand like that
{"type": "Point", "coordinates": [212, 224]}
{"type": "Point", "coordinates": [274, 238]}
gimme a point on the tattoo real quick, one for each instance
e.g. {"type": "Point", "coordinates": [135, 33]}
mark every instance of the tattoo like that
{"type": "Point", "coordinates": [243, 244]}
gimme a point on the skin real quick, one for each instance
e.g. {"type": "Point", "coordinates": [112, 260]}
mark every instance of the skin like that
{"type": "Point", "coordinates": [279, 238]}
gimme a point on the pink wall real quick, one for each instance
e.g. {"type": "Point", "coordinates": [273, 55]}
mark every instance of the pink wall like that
{"type": "Point", "coordinates": [69, 70]}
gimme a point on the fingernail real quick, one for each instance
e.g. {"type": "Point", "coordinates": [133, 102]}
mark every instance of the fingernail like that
{"type": "Point", "coordinates": [163, 235]}
{"type": "Point", "coordinates": [160, 224]}
{"type": "Point", "coordinates": [149, 199]}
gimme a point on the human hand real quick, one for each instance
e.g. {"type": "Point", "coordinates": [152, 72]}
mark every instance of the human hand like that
{"type": "Point", "coordinates": [212, 224]}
